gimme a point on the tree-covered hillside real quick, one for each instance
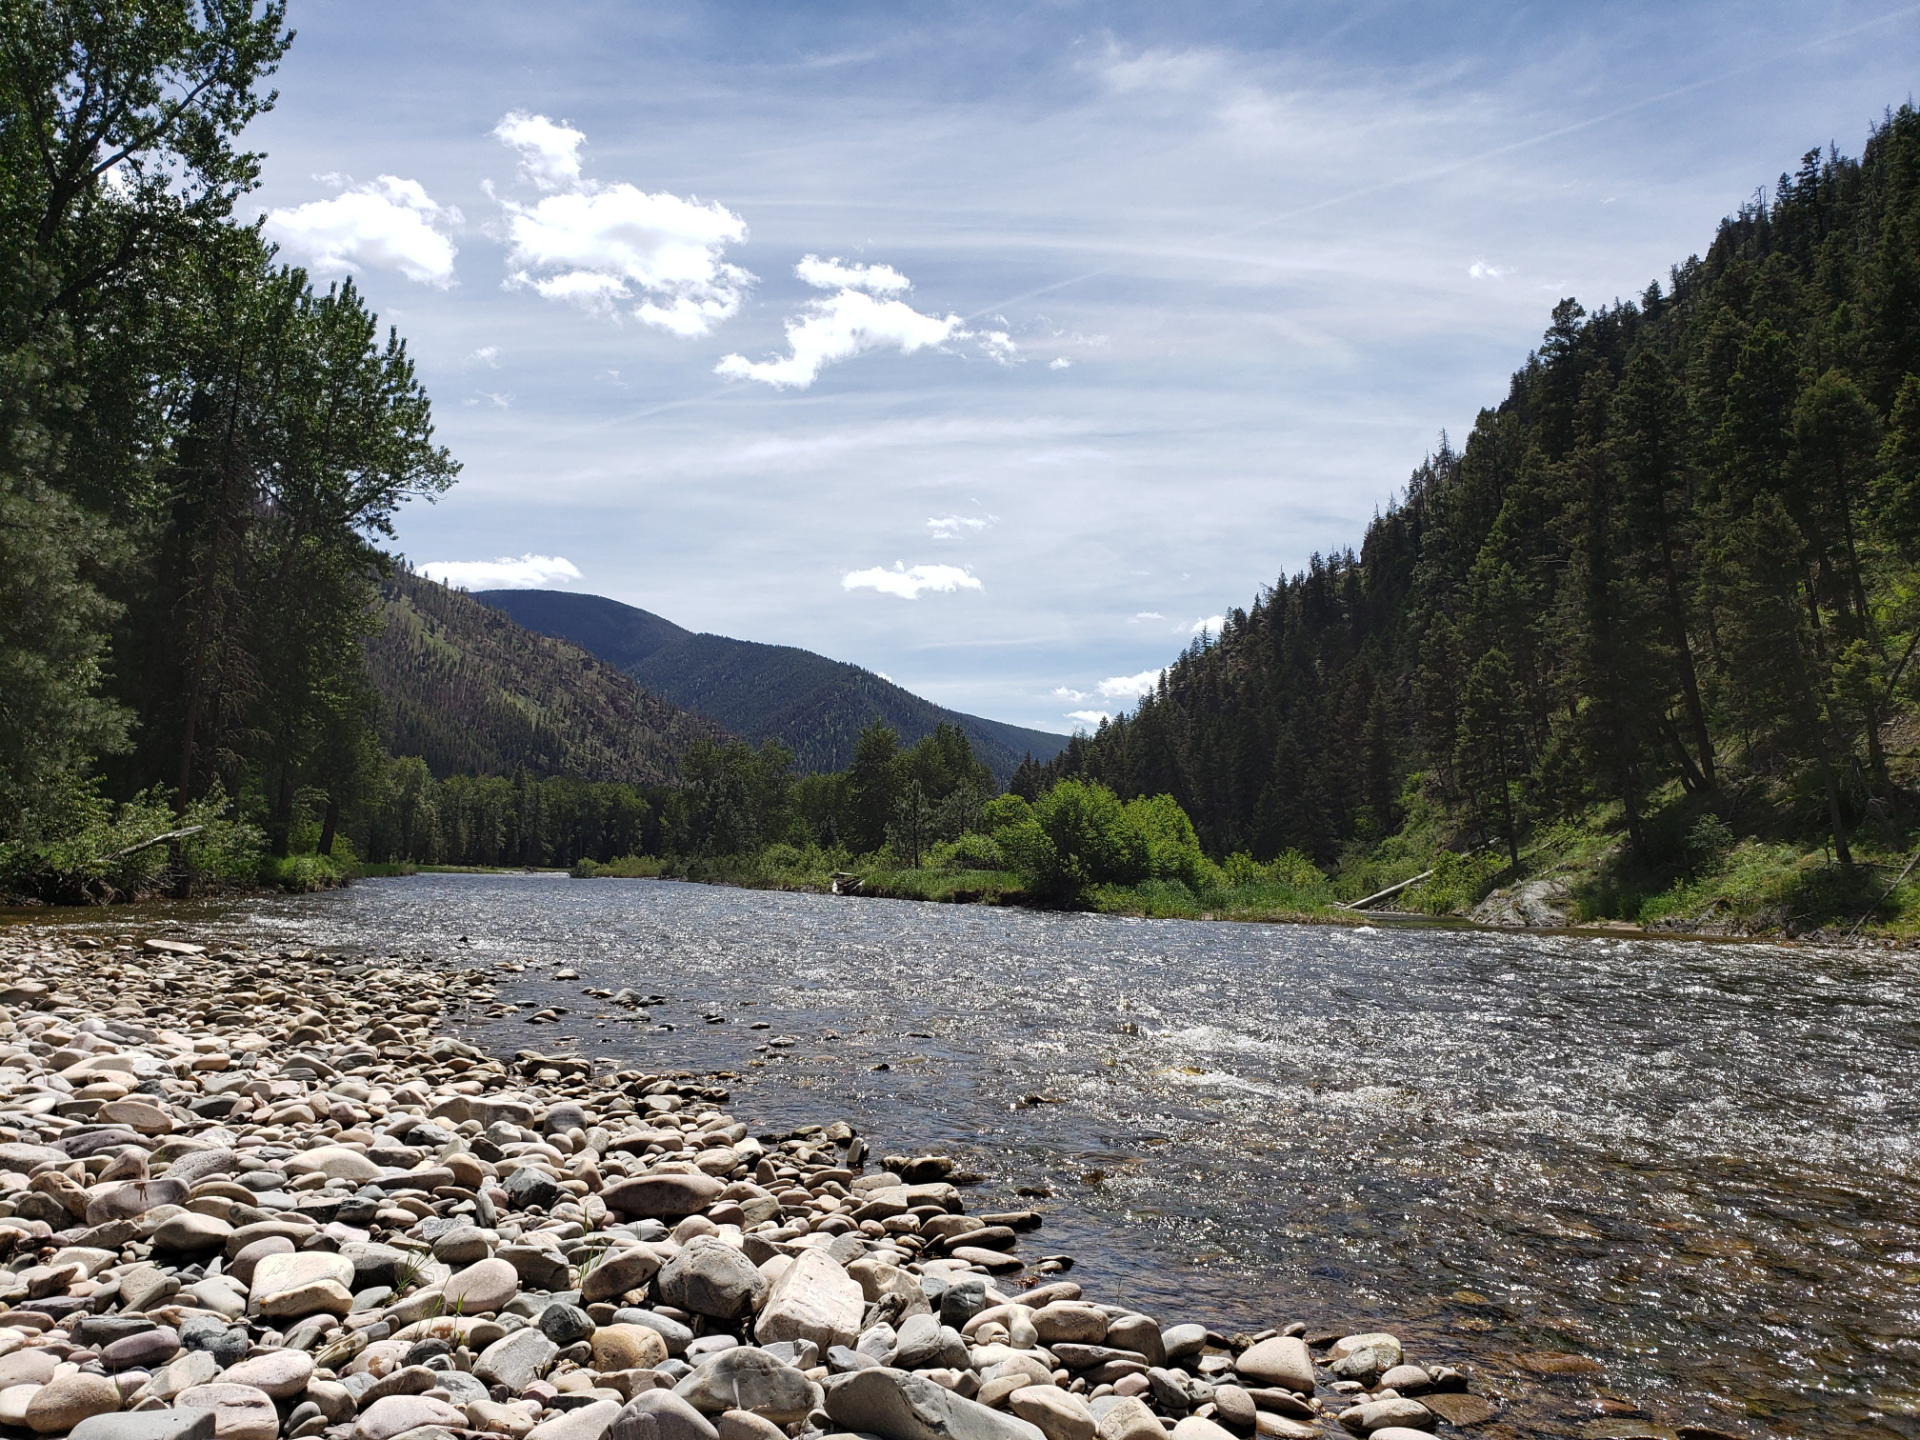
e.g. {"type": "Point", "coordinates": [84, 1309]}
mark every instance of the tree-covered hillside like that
{"type": "Point", "coordinates": [471, 693]}
{"type": "Point", "coordinates": [1673, 577]}
{"type": "Point", "coordinates": [814, 706]}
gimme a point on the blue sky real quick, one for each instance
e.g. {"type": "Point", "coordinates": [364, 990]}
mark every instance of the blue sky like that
{"type": "Point", "coordinates": [998, 347]}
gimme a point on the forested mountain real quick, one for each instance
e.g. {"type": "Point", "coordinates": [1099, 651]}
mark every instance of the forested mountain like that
{"type": "Point", "coordinates": [1675, 572]}
{"type": "Point", "coordinates": [815, 706]}
{"type": "Point", "coordinates": [472, 693]}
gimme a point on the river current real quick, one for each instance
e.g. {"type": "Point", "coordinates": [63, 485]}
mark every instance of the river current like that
{"type": "Point", "coordinates": [1600, 1171]}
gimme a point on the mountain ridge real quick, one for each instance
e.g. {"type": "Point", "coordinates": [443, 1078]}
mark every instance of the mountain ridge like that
{"type": "Point", "coordinates": [814, 705]}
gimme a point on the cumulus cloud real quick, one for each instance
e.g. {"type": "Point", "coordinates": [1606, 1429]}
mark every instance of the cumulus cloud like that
{"type": "Point", "coordinates": [388, 224]}
{"type": "Point", "coordinates": [1063, 693]}
{"type": "Point", "coordinates": [908, 582]}
{"type": "Point", "coordinates": [529, 572]}
{"type": "Point", "coordinates": [1483, 270]}
{"type": "Point", "coordinates": [838, 328]}
{"type": "Point", "coordinates": [1060, 362]}
{"type": "Point", "coordinates": [952, 527]}
{"type": "Point", "coordinates": [549, 150]}
{"type": "Point", "coordinates": [1208, 625]}
{"type": "Point", "coordinates": [595, 247]}
{"type": "Point", "coordinates": [1125, 687]}
{"type": "Point", "coordinates": [837, 274]}
{"type": "Point", "coordinates": [1092, 719]}
{"type": "Point", "coordinates": [488, 355]}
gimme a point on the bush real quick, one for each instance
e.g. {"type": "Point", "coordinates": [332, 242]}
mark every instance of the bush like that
{"type": "Point", "coordinates": [82, 849]}
{"type": "Point", "coordinates": [1173, 850]}
{"type": "Point", "coordinates": [1097, 841]}
{"type": "Point", "coordinates": [1005, 810]}
{"type": "Point", "coordinates": [969, 852]}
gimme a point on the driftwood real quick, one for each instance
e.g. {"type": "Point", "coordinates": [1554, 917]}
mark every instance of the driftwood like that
{"type": "Point", "coordinates": [1389, 891]}
{"type": "Point", "coordinates": [157, 840]}
{"type": "Point", "coordinates": [846, 883]}
{"type": "Point", "coordinates": [1886, 892]}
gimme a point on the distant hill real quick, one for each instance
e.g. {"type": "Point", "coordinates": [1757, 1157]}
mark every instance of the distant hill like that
{"type": "Point", "coordinates": [814, 705]}
{"type": "Point", "coordinates": [473, 693]}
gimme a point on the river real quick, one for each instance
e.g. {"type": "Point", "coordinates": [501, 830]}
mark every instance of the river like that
{"type": "Point", "coordinates": [1601, 1171]}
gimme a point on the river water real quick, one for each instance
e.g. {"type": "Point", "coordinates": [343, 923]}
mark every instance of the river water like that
{"type": "Point", "coordinates": [1600, 1171]}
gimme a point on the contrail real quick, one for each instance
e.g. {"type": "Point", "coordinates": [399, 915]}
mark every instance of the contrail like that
{"type": "Point", "coordinates": [1435, 172]}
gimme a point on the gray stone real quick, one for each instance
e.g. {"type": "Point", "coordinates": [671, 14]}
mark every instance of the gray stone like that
{"type": "Point", "coordinates": [240, 1412]}
{"type": "Point", "coordinates": [564, 1324]}
{"type": "Point", "coordinates": [141, 1352]}
{"type": "Point", "coordinates": [660, 1415]}
{"type": "Point", "coordinates": [1384, 1414]}
{"type": "Point", "coordinates": [1283, 1361]}
{"type": "Point", "coordinates": [926, 1344]}
{"type": "Point", "coordinates": [1128, 1418]}
{"type": "Point", "coordinates": [617, 1273]}
{"type": "Point", "coordinates": [517, 1361]}
{"type": "Point", "coordinates": [539, 1268]}
{"type": "Point", "coordinates": [898, 1406]}
{"type": "Point", "coordinates": [1182, 1341]}
{"type": "Point", "coordinates": [1364, 1357]}
{"type": "Point", "coordinates": [216, 1337]}
{"type": "Point", "coordinates": [962, 1300]}
{"type": "Point", "coordinates": [815, 1299]}
{"type": "Point", "coordinates": [280, 1373]}
{"type": "Point", "coordinates": [677, 1336]}
{"type": "Point", "coordinates": [1532, 904]}
{"type": "Point", "coordinates": [748, 1378]}
{"type": "Point", "coordinates": [397, 1414]}
{"type": "Point", "coordinates": [528, 1188]}
{"type": "Point", "coordinates": [663, 1197]}
{"type": "Point", "coordinates": [146, 1425]}
{"type": "Point", "coordinates": [585, 1422]}
{"type": "Point", "coordinates": [709, 1277]}
{"type": "Point", "coordinates": [1059, 1415]}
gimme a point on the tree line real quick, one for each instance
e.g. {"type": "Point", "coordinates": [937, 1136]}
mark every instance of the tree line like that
{"type": "Point", "coordinates": [1674, 576]}
{"type": "Point", "coordinates": [200, 450]}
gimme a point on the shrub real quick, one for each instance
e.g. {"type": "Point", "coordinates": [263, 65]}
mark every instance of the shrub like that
{"type": "Point", "coordinates": [969, 852]}
{"type": "Point", "coordinates": [1173, 850]}
{"type": "Point", "coordinates": [1097, 841]}
{"type": "Point", "coordinates": [1005, 810]}
{"type": "Point", "coordinates": [83, 849]}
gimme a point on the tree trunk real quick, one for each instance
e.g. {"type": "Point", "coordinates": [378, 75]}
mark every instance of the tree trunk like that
{"type": "Point", "coordinates": [329, 824]}
{"type": "Point", "coordinates": [282, 826]}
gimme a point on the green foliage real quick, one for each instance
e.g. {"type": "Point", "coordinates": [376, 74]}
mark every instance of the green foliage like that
{"type": "Point", "coordinates": [970, 852]}
{"type": "Point", "coordinates": [77, 847]}
{"type": "Point", "coordinates": [1679, 562]}
{"type": "Point", "coordinates": [473, 694]}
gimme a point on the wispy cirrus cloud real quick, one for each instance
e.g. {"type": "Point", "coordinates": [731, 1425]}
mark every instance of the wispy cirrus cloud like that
{"type": "Point", "coordinates": [529, 572]}
{"type": "Point", "coordinates": [386, 224]}
{"type": "Point", "coordinates": [910, 582]}
{"type": "Point", "coordinates": [952, 527]}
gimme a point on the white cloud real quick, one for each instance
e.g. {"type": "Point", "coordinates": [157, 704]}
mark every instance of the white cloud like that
{"type": "Point", "coordinates": [999, 346]}
{"type": "Point", "coordinates": [1063, 693]}
{"type": "Point", "coordinates": [1482, 270]}
{"type": "Point", "coordinates": [1125, 687]}
{"type": "Point", "coordinates": [909, 581]}
{"type": "Point", "coordinates": [389, 224]}
{"type": "Point", "coordinates": [487, 355]}
{"type": "Point", "coordinates": [837, 328]}
{"type": "Point", "coordinates": [595, 247]}
{"type": "Point", "coordinates": [549, 151]}
{"type": "Point", "coordinates": [1089, 718]}
{"type": "Point", "coordinates": [951, 527]}
{"type": "Point", "coordinates": [1146, 615]}
{"type": "Point", "coordinates": [529, 572]}
{"type": "Point", "coordinates": [837, 274]}
{"type": "Point", "coordinates": [1210, 625]}
{"type": "Point", "coordinates": [1060, 362]}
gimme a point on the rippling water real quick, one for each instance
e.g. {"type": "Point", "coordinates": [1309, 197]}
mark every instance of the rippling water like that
{"type": "Point", "coordinates": [1693, 1163]}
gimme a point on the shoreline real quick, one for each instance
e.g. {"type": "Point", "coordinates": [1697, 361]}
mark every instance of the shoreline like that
{"type": "Point", "coordinates": [322, 1129]}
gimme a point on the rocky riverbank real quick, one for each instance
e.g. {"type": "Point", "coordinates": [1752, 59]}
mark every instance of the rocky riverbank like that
{"type": "Point", "coordinates": [249, 1194]}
